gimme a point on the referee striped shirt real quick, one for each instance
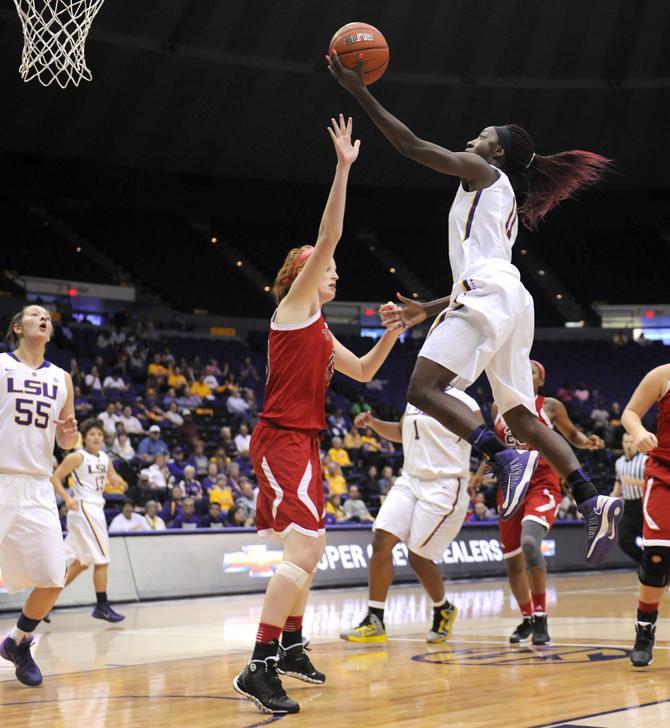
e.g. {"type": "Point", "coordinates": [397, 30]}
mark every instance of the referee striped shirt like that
{"type": "Point", "coordinates": [630, 473]}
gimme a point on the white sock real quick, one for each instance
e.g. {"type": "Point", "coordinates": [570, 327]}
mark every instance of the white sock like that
{"type": "Point", "coordinates": [18, 635]}
{"type": "Point", "coordinates": [440, 604]}
{"type": "Point", "coordinates": [376, 605]}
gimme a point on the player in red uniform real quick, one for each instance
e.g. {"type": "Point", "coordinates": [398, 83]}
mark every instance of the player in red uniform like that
{"type": "Point", "coordinates": [655, 567]}
{"type": "Point", "coordinates": [302, 354]}
{"type": "Point", "coordinates": [521, 536]}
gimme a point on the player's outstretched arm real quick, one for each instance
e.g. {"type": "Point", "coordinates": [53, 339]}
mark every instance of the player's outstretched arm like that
{"type": "Point", "coordinates": [70, 463]}
{"type": "Point", "coordinates": [648, 392]}
{"type": "Point", "coordinates": [562, 422]}
{"type": "Point", "coordinates": [410, 313]}
{"type": "Point", "coordinates": [306, 284]}
{"type": "Point", "coordinates": [388, 430]}
{"type": "Point", "coordinates": [363, 368]}
{"type": "Point", "coordinates": [470, 167]}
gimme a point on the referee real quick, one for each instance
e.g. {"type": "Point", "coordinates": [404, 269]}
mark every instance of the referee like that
{"type": "Point", "coordinates": [629, 484]}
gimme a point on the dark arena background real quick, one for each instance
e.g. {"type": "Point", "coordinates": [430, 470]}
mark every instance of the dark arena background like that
{"type": "Point", "coordinates": [149, 210]}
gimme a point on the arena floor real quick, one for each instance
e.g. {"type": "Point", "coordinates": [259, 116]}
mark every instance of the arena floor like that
{"type": "Point", "coordinates": [172, 663]}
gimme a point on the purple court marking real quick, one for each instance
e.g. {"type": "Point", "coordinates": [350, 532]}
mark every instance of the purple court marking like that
{"type": "Point", "coordinates": [568, 721]}
{"type": "Point", "coordinates": [491, 657]}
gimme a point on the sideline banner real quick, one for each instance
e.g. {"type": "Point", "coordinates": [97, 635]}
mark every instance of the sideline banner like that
{"type": "Point", "coordinates": [198, 563]}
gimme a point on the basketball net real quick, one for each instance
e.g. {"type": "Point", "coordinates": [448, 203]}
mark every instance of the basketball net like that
{"type": "Point", "coordinates": [54, 39]}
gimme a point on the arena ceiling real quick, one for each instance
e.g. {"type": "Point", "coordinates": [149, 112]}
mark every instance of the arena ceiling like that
{"type": "Point", "coordinates": [238, 88]}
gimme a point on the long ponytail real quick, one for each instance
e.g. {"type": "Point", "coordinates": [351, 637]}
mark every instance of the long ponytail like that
{"type": "Point", "coordinates": [547, 180]}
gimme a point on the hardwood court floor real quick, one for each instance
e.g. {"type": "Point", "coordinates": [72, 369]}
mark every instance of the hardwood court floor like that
{"type": "Point", "coordinates": [171, 664]}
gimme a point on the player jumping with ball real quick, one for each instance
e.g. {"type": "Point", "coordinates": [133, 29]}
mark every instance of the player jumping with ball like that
{"type": "Point", "coordinates": [489, 320]}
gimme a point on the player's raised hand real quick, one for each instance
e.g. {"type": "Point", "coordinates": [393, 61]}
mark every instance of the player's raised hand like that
{"type": "Point", "coordinates": [340, 132]}
{"type": "Point", "coordinates": [394, 316]}
{"type": "Point", "coordinates": [68, 426]}
{"type": "Point", "coordinates": [646, 441]}
{"type": "Point", "coordinates": [597, 443]}
{"type": "Point", "coordinates": [352, 81]}
{"type": "Point", "coordinates": [363, 419]}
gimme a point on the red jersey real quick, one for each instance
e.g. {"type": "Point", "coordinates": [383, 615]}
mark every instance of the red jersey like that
{"type": "Point", "coordinates": [505, 434]}
{"type": "Point", "coordinates": [300, 365]}
{"type": "Point", "coordinates": [658, 462]}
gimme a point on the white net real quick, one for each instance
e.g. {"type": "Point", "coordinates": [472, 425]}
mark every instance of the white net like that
{"type": "Point", "coordinates": [54, 33]}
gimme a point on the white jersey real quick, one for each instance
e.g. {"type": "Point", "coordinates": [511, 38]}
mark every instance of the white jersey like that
{"type": "Point", "coordinates": [431, 450]}
{"type": "Point", "coordinates": [90, 477]}
{"type": "Point", "coordinates": [30, 402]}
{"type": "Point", "coordinates": [482, 229]}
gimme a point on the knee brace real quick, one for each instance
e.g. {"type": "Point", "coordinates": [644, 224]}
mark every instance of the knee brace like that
{"type": "Point", "coordinates": [293, 573]}
{"type": "Point", "coordinates": [655, 566]}
{"type": "Point", "coordinates": [531, 545]}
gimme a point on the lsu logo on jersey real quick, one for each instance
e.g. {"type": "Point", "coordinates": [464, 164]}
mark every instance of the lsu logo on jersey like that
{"type": "Point", "coordinates": [33, 388]}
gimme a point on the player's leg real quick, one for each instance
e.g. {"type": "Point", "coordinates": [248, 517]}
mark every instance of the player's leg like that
{"type": "Point", "coordinates": [103, 609]}
{"type": "Point", "coordinates": [654, 574]}
{"type": "Point", "coordinates": [73, 570]}
{"type": "Point", "coordinates": [629, 530]}
{"type": "Point", "coordinates": [532, 534]}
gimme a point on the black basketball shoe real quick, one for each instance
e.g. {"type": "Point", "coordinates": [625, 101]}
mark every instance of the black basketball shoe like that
{"type": "Point", "coordinates": [645, 634]}
{"type": "Point", "coordinates": [294, 662]}
{"type": "Point", "coordinates": [522, 632]}
{"type": "Point", "coordinates": [260, 683]}
{"type": "Point", "coordinates": [540, 630]}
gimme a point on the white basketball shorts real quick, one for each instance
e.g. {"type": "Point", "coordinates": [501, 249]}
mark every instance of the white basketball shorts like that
{"type": "Point", "coordinates": [424, 514]}
{"type": "Point", "coordinates": [31, 542]}
{"type": "Point", "coordinates": [488, 326]}
{"type": "Point", "coordinates": [87, 541]}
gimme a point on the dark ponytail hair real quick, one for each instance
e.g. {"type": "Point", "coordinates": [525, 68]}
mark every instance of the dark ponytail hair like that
{"type": "Point", "coordinates": [11, 337]}
{"type": "Point", "coordinates": [541, 182]}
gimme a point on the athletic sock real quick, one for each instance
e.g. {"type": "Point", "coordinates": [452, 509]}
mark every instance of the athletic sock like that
{"type": "Point", "coordinates": [580, 484]}
{"type": "Point", "coordinates": [267, 641]}
{"type": "Point", "coordinates": [539, 603]}
{"type": "Point", "coordinates": [292, 633]}
{"type": "Point", "coordinates": [441, 604]}
{"type": "Point", "coordinates": [527, 609]}
{"type": "Point", "coordinates": [486, 441]}
{"type": "Point", "coordinates": [647, 613]}
{"type": "Point", "coordinates": [24, 628]}
{"type": "Point", "coordinates": [101, 597]}
{"type": "Point", "coordinates": [376, 608]}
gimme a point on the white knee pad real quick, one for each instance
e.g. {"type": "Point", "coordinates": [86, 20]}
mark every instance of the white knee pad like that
{"type": "Point", "coordinates": [293, 573]}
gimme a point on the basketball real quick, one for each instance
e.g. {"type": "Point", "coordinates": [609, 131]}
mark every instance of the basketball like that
{"type": "Point", "coordinates": [354, 38]}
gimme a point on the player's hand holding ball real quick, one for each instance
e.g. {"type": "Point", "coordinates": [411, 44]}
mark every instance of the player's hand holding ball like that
{"type": "Point", "coordinates": [646, 441]}
{"type": "Point", "coordinates": [358, 56]}
{"type": "Point", "coordinates": [340, 133]}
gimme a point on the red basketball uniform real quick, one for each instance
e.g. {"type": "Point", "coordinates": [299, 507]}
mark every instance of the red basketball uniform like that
{"type": "Point", "coordinates": [284, 445]}
{"type": "Point", "coordinates": [656, 503]}
{"type": "Point", "coordinates": [544, 493]}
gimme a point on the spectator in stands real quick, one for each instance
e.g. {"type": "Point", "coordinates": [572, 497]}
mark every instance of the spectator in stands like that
{"type": "Point", "coordinates": [109, 418]}
{"type": "Point", "coordinates": [352, 444]}
{"type": "Point", "coordinates": [369, 487]}
{"type": "Point", "coordinates": [187, 519]}
{"type": "Point", "coordinates": [252, 407]}
{"type": "Point", "coordinates": [212, 368]}
{"type": "Point", "coordinates": [167, 358]}
{"type": "Point", "coordinates": [137, 361]}
{"type": "Point", "coordinates": [387, 481]}
{"type": "Point", "coordinates": [386, 447]}
{"type": "Point", "coordinates": [337, 424]}
{"type": "Point", "coordinates": [234, 479]}
{"type": "Point", "coordinates": [360, 405]}
{"type": "Point", "coordinates": [334, 511]}
{"type": "Point", "coordinates": [565, 393]}
{"type": "Point", "coordinates": [173, 506]}
{"type": "Point", "coordinates": [102, 342]}
{"type": "Point", "coordinates": [159, 474]}
{"type": "Point", "coordinates": [237, 517]}
{"type": "Point", "coordinates": [188, 432]}
{"type": "Point", "coordinates": [227, 442]}
{"type": "Point", "coordinates": [248, 370]}
{"type": "Point", "coordinates": [131, 424]}
{"type": "Point", "coordinates": [108, 443]}
{"type": "Point", "coordinates": [152, 445]}
{"type": "Point", "coordinates": [338, 454]}
{"type": "Point", "coordinates": [221, 493]}
{"type": "Point", "coordinates": [191, 487]}
{"type": "Point", "coordinates": [209, 481]}
{"type": "Point", "coordinates": [76, 374]}
{"type": "Point", "coordinates": [200, 390]}
{"type": "Point", "coordinates": [123, 447]}
{"type": "Point", "coordinates": [157, 374]}
{"type": "Point", "coordinates": [177, 380]}
{"type": "Point", "coordinates": [354, 507]}
{"type": "Point", "coordinates": [481, 514]}
{"type": "Point", "coordinates": [567, 510]}
{"type": "Point", "coordinates": [127, 521]}
{"type": "Point", "coordinates": [337, 485]}
{"type": "Point", "coordinates": [247, 497]}
{"type": "Point", "coordinates": [243, 440]}
{"type": "Point", "coordinates": [117, 337]}
{"type": "Point", "coordinates": [139, 495]}
{"type": "Point", "coordinates": [198, 459]}
{"type": "Point", "coordinates": [237, 406]}
{"type": "Point", "coordinates": [152, 521]}
{"type": "Point", "coordinates": [213, 518]}
{"type": "Point", "coordinates": [169, 398]}
{"type": "Point", "coordinates": [369, 441]}
{"type": "Point", "coordinates": [582, 392]}
{"type": "Point", "coordinates": [82, 405]}
{"type": "Point", "coordinates": [177, 463]}
{"type": "Point", "coordinates": [114, 381]}
{"type": "Point", "coordinates": [600, 418]}
{"type": "Point", "coordinates": [172, 415]}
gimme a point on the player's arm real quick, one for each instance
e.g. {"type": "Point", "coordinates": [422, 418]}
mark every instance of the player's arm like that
{"type": "Point", "coordinates": [477, 477]}
{"type": "Point", "coordinates": [114, 478]}
{"type": "Point", "coordinates": [301, 293]}
{"type": "Point", "coordinates": [616, 491]}
{"type": "Point", "coordinates": [467, 166]}
{"type": "Point", "coordinates": [70, 463]}
{"type": "Point", "coordinates": [388, 430]}
{"type": "Point", "coordinates": [647, 393]}
{"type": "Point", "coordinates": [562, 422]}
{"type": "Point", "coordinates": [410, 313]}
{"type": "Point", "coordinates": [66, 424]}
{"type": "Point", "coordinates": [363, 368]}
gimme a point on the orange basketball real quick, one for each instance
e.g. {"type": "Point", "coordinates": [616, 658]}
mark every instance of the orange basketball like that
{"type": "Point", "coordinates": [354, 38]}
